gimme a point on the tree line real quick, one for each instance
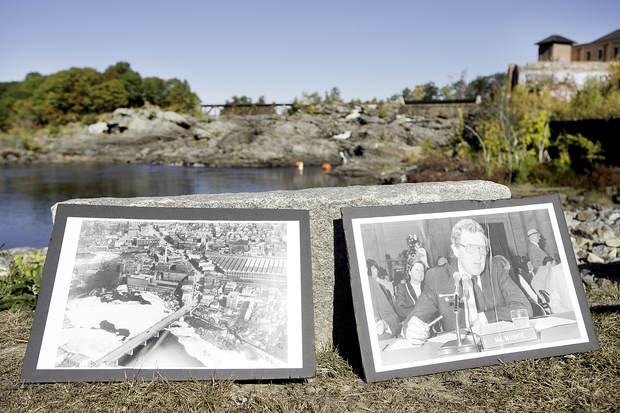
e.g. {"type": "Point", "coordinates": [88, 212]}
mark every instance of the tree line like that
{"type": "Point", "coordinates": [483, 86]}
{"type": "Point", "coordinates": [69, 95]}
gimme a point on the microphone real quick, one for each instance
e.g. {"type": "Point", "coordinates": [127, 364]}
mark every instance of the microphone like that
{"type": "Point", "coordinates": [457, 280]}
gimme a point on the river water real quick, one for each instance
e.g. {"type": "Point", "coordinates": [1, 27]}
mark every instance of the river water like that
{"type": "Point", "coordinates": [27, 193]}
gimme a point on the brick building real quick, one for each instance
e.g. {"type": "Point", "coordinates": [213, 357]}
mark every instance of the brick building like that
{"type": "Point", "coordinates": [557, 48]}
{"type": "Point", "coordinates": [567, 66]}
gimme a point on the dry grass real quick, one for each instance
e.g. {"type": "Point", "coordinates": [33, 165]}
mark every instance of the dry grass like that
{"type": "Point", "coordinates": [581, 382]}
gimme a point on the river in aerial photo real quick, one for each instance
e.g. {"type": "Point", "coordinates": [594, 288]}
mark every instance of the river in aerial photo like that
{"type": "Point", "coordinates": [28, 192]}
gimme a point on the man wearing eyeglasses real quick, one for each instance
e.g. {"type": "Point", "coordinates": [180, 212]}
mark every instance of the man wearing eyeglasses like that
{"type": "Point", "coordinates": [489, 295]}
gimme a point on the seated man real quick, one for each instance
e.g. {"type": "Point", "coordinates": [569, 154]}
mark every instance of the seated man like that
{"type": "Point", "coordinates": [491, 292]}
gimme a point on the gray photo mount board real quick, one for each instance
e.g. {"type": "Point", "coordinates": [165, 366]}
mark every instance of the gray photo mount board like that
{"type": "Point", "coordinates": [368, 362]}
{"type": "Point", "coordinates": [30, 371]}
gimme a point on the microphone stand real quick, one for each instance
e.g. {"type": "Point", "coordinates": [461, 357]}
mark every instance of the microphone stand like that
{"type": "Point", "coordinates": [466, 306]}
{"type": "Point", "coordinates": [457, 307]}
{"type": "Point", "coordinates": [461, 344]}
{"type": "Point", "coordinates": [466, 298]}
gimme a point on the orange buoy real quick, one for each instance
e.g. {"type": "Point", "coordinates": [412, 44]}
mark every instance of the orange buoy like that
{"type": "Point", "coordinates": [299, 165]}
{"type": "Point", "coordinates": [326, 167]}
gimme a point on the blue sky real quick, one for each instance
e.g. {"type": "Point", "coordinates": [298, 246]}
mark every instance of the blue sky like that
{"type": "Point", "coordinates": [281, 48]}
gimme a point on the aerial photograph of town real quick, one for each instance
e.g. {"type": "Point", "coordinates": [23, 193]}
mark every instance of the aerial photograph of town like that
{"type": "Point", "coordinates": [176, 294]}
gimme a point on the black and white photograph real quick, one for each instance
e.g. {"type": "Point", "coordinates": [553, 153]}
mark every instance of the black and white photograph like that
{"type": "Point", "coordinates": [453, 285]}
{"type": "Point", "coordinates": [160, 294]}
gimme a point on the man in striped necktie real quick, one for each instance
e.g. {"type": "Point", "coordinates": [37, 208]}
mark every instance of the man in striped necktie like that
{"type": "Point", "coordinates": [482, 281]}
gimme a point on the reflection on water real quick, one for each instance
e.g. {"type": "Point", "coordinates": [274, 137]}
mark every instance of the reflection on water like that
{"type": "Point", "coordinates": [26, 194]}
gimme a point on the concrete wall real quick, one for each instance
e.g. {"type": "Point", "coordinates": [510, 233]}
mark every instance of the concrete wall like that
{"type": "Point", "coordinates": [568, 76]}
{"type": "Point", "coordinates": [333, 316]}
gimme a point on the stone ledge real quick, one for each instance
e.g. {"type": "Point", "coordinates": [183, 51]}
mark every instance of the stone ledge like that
{"type": "Point", "coordinates": [333, 316]}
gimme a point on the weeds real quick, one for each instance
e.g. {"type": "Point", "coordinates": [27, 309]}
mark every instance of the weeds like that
{"type": "Point", "coordinates": [440, 168]}
{"type": "Point", "coordinates": [20, 287]}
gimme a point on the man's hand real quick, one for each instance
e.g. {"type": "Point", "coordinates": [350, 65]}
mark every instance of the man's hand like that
{"type": "Point", "coordinates": [416, 329]}
{"type": "Point", "coordinates": [382, 327]}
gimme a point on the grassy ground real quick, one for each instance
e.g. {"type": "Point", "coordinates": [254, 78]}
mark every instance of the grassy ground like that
{"type": "Point", "coordinates": [581, 382]}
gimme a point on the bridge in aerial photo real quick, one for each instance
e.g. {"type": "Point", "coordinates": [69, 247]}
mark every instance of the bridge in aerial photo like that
{"type": "Point", "coordinates": [127, 348]}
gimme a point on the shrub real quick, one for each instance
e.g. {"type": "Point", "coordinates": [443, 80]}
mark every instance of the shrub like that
{"type": "Point", "coordinates": [599, 177]}
{"type": "Point", "coordinates": [247, 110]}
{"type": "Point", "coordinates": [383, 111]}
{"type": "Point", "coordinates": [525, 170]}
{"type": "Point", "coordinates": [440, 168]}
{"type": "Point", "coordinates": [596, 100]}
{"type": "Point", "coordinates": [294, 108]}
{"type": "Point", "coordinates": [578, 152]}
{"type": "Point", "coordinates": [89, 119]}
{"type": "Point", "coordinates": [20, 287]}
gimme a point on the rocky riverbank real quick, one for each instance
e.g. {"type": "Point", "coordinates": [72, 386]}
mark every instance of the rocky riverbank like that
{"type": "Point", "coordinates": [370, 140]}
{"type": "Point", "coordinates": [595, 235]}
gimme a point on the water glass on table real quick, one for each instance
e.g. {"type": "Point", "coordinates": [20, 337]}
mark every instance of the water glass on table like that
{"type": "Point", "coordinates": [520, 318]}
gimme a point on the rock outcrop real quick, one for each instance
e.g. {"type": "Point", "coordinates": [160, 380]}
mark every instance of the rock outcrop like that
{"type": "Point", "coordinates": [366, 140]}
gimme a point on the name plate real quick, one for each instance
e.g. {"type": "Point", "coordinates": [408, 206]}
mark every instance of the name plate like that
{"type": "Point", "coordinates": [502, 338]}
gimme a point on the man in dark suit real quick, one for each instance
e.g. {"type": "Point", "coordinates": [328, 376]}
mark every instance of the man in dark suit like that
{"type": "Point", "coordinates": [489, 292]}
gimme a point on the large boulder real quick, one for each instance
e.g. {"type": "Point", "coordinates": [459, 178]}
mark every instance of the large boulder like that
{"type": "Point", "coordinates": [334, 322]}
{"type": "Point", "coordinates": [98, 128]}
{"type": "Point", "coordinates": [176, 118]}
{"type": "Point", "coordinates": [146, 121]}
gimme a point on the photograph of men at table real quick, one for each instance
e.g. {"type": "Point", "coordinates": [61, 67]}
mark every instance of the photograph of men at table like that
{"type": "Point", "coordinates": [421, 264]}
{"type": "Point", "coordinates": [488, 291]}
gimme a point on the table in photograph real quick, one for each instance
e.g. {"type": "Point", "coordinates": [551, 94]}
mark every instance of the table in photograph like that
{"type": "Point", "coordinates": [393, 353]}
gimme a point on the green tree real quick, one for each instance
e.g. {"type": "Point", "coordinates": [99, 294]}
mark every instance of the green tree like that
{"type": "Point", "coordinates": [486, 86]}
{"type": "Point", "coordinates": [68, 95]}
{"type": "Point", "coordinates": [8, 92]}
{"type": "Point", "coordinates": [179, 97]}
{"type": "Point", "coordinates": [247, 110]}
{"type": "Point", "coordinates": [107, 96]}
{"type": "Point", "coordinates": [407, 94]}
{"type": "Point", "coordinates": [459, 89]}
{"type": "Point", "coordinates": [131, 80]}
{"type": "Point", "coordinates": [430, 90]}
{"type": "Point", "coordinates": [12, 92]}
{"type": "Point", "coordinates": [63, 96]}
{"type": "Point", "coordinates": [418, 93]}
{"type": "Point", "coordinates": [154, 90]}
{"type": "Point", "coordinates": [333, 95]}
{"type": "Point", "coordinates": [446, 92]}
